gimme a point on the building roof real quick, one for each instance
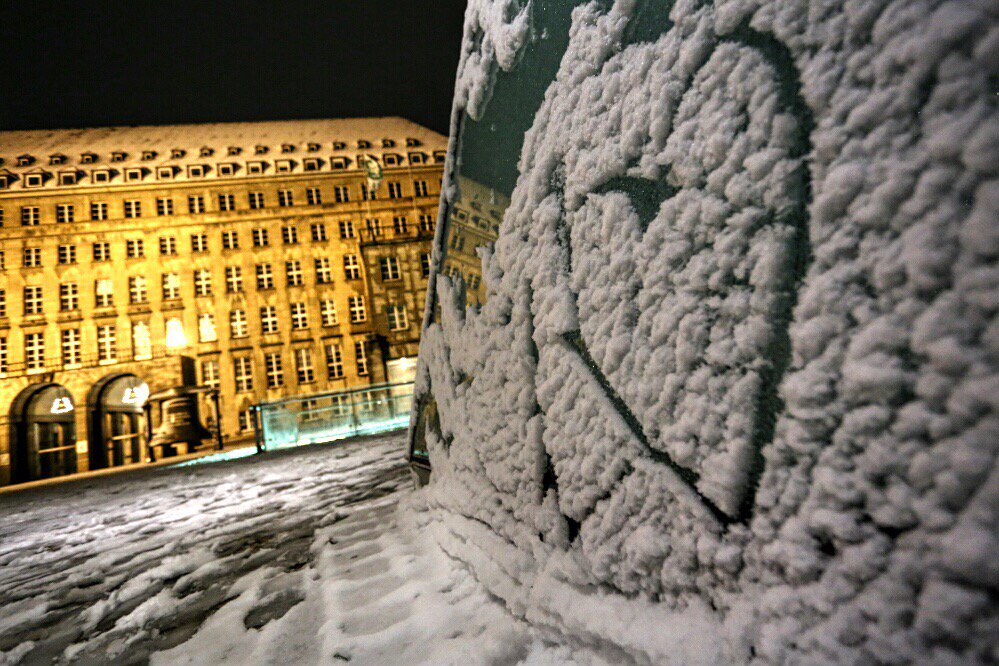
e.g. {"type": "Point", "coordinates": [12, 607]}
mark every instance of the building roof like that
{"type": "Point", "coordinates": [180, 146]}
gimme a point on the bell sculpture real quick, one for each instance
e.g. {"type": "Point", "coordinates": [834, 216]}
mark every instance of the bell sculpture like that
{"type": "Point", "coordinates": [180, 422]}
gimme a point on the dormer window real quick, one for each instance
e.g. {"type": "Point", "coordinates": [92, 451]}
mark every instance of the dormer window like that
{"type": "Point", "coordinates": [234, 150]}
{"type": "Point", "coordinates": [88, 158]}
{"type": "Point", "coordinates": [206, 151]}
{"type": "Point", "coordinates": [255, 167]}
{"type": "Point", "coordinates": [260, 150]}
{"type": "Point", "coordinates": [227, 169]}
{"type": "Point", "coordinates": [417, 158]}
{"type": "Point", "coordinates": [311, 164]}
{"type": "Point", "coordinates": [177, 153]}
{"type": "Point", "coordinates": [25, 160]}
{"type": "Point", "coordinates": [34, 180]}
{"type": "Point", "coordinates": [165, 173]}
{"type": "Point", "coordinates": [363, 143]}
{"type": "Point", "coordinates": [287, 148]}
{"type": "Point", "coordinates": [118, 156]}
{"type": "Point", "coordinates": [388, 143]}
{"type": "Point", "coordinates": [313, 147]}
{"type": "Point", "coordinates": [101, 176]}
{"type": "Point", "coordinates": [68, 177]}
{"type": "Point", "coordinates": [284, 166]}
{"type": "Point", "coordinates": [412, 143]}
{"type": "Point", "coordinates": [132, 175]}
{"type": "Point", "coordinates": [196, 171]}
{"type": "Point", "coordinates": [148, 155]}
{"type": "Point", "coordinates": [338, 163]}
{"type": "Point", "coordinates": [440, 155]}
{"type": "Point", "coordinates": [57, 159]}
{"type": "Point", "coordinates": [6, 179]}
{"type": "Point", "coordinates": [391, 159]}
{"type": "Point", "coordinates": [339, 145]}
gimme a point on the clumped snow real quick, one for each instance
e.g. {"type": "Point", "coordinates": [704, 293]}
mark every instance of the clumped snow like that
{"type": "Point", "coordinates": [738, 369]}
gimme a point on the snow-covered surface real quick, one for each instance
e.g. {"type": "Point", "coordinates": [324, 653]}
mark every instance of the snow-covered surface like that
{"type": "Point", "coordinates": [733, 393]}
{"type": "Point", "coordinates": [296, 557]}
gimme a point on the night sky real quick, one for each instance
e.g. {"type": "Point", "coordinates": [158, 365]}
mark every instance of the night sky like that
{"type": "Point", "coordinates": [90, 64]}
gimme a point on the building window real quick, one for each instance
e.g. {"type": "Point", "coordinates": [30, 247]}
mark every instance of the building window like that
{"type": "Point", "coordinates": [390, 268]}
{"type": "Point", "coordinates": [273, 370]}
{"type": "Point", "coordinates": [133, 208]}
{"type": "Point", "coordinates": [327, 311]}
{"type": "Point", "coordinates": [285, 198]}
{"type": "Point", "coordinates": [351, 269]}
{"type": "Point", "coordinates": [165, 173]}
{"type": "Point", "coordinates": [227, 202]}
{"type": "Point", "coordinates": [400, 224]}
{"type": "Point", "coordinates": [361, 356]}
{"type": "Point", "coordinates": [230, 240]}
{"type": "Point", "coordinates": [420, 188]}
{"type": "Point", "coordinates": [99, 211]}
{"type": "Point", "coordinates": [265, 276]}
{"type": "Point", "coordinates": [358, 311]}
{"type": "Point", "coordinates": [196, 171]}
{"type": "Point", "coordinates": [195, 204]}
{"type": "Point", "coordinates": [394, 190]}
{"type": "Point", "coordinates": [33, 180]}
{"type": "Point", "coordinates": [247, 423]}
{"type": "Point", "coordinates": [311, 164]}
{"type": "Point", "coordinates": [346, 229]}
{"type": "Point", "coordinates": [260, 238]}
{"type": "Point", "coordinates": [69, 297]}
{"type": "Point", "coordinates": [88, 158]}
{"type": "Point", "coordinates": [425, 264]}
{"type": "Point", "coordinates": [206, 151]}
{"type": "Point", "coordinates": [199, 243]}
{"type": "Point", "coordinates": [227, 169]}
{"type": "Point", "coordinates": [70, 343]}
{"type": "Point", "coordinates": [117, 156]}
{"type": "Point", "coordinates": [374, 227]}
{"type": "Point", "coordinates": [338, 163]}
{"type": "Point", "coordinates": [341, 194]}
{"type": "Point", "coordinates": [238, 327]}
{"type": "Point", "coordinates": [283, 166]}
{"type": "Point", "coordinates": [100, 176]}
{"type": "Point", "coordinates": [417, 158]}
{"type": "Point", "coordinates": [299, 316]}
{"type": "Point", "coordinates": [427, 223]}
{"type": "Point", "coordinates": [268, 319]}
{"type": "Point", "coordinates": [168, 246]}
{"type": "Point", "coordinates": [368, 194]}
{"type": "Point", "coordinates": [256, 200]}
{"type": "Point", "coordinates": [210, 373]}
{"type": "Point", "coordinates": [175, 336]}
{"type": "Point", "coordinates": [202, 282]}
{"type": "Point", "coordinates": [171, 286]}
{"type": "Point", "coordinates": [324, 273]}
{"type": "Point", "coordinates": [164, 206]}
{"type": "Point", "coordinates": [313, 196]}
{"type": "Point", "coordinates": [391, 159]}
{"type": "Point", "coordinates": [303, 364]}
{"type": "Point", "coordinates": [137, 290]}
{"type": "Point", "coordinates": [103, 293]}
{"type": "Point", "coordinates": [3, 303]}
{"type": "Point", "coordinates": [68, 177]}
{"type": "Point", "coordinates": [32, 257]}
{"type": "Point", "coordinates": [102, 251]}
{"type": "Point", "coordinates": [397, 318]}
{"type": "Point", "coordinates": [243, 367]}
{"type": "Point", "coordinates": [233, 279]}
{"type": "Point", "coordinates": [142, 341]}
{"type": "Point", "coordinates": [3, 356]}
{"type": "Point", "coordinates": [293, 271]}
{"type": "Point", "coordinates": [34, 351]}
{"type": "Point", "coordinates": [334, 361]}
{"type": "Point", "coordinates": [206, 327]}
{"type": "Point", "coordinates": [134, 248]}
{"type": "Point", "coordinates": [64, 213]}
{"type": "Point", "coordinates": [107, 344]}
{"type": "Point", "coordinates": [30, 216]}
{"type": "Point", "coordinates": [3, 261]}
{"type": "Point", "coordinates": [289, 235]}
{"type": "Point", "coordinates": [255, 168]}
{"type": "Point", "coordinates": [363, 143]}
{"type": "Point", "coordinates": [319, 233]}
{"type": "Point", "coordinates": [1, 217]}
{"type": "Point", "coordinates": [132, 175]}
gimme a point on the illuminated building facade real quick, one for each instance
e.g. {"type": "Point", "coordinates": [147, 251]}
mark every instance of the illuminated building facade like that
{"type": "Point", "coordinates": [256, 258]}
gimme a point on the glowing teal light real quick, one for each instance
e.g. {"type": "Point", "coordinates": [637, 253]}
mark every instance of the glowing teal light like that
{"type": "Point", "coordinates": [222, 456]}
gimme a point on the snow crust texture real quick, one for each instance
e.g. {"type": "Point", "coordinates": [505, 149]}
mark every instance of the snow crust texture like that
{"type": "Point", "coordinates": [733, 393]}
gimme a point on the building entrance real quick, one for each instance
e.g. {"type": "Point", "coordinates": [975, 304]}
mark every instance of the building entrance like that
{"type": "Point", "coordinates": [43, 433]}
{"type": "Point", "coordinates": [117, 433]}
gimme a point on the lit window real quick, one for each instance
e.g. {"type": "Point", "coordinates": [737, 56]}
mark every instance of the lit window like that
{"type": "Point", "coordinates": [102, 251]}
{"type": "Point", "coordinates": [361, 357]}
{"type": "Point", "coordinates": [142, 342]}
{"type": "Point", "coordinates": [195, 204]}
{"type": "Point", "coordinates": [303, 364]}
{"type": "Point", "coordinates": [30, 216]}
{"type": "Point", "coordinates": [227, 202]}
{"type": "Point", "coordinates": [289, 235]}
{"type": "Point", "coordinates": [334, 361]}
{"type": "Point", "coordinates": [285, 198]}
{"type": "Point", "coordinates": [299, 316]}
{"type": "Point", "coordinates": [327, 311]}
{"type": "Point", "coordinates": [32, 300]}
{"type": "Point", "coordinates": [233, 279]}
{"type": "Point", "coordinates": [260, 238]}
{"type": "Point", "coordinates": [237, 324]}
{"type": "Point", "coordinates": [268, 319]}
{"type": "Point", "coordinates": [64, 213]}
{"type": "Point", "coordinates": [199, 243]}
{"type": "Point", "coordinates": [164, 206]}
{"type": "Point", "coordinates": [137, 290]}
{"type": "Point", "coordinates": [171, 286]}
{"type": "Point", "coordinates": [103, 293]}
{"type": "Point", "coordinates": [206, 328]}
{"type": "Point", "coordinates": [358, 311]}
{"type": "Point", "coordinates": [175, 336]}
{"type": "Point", "coordinates": [313, 196]}
{"type": "Point", "coordinates": [202, 282]}
{"type": "Point", "coordinates": [168, 246]}
{"type": "Point", "coordinates": [230, 240]}
{"type": "Point", "coordinates": [397, 318]}
{"type": "Point", "coordinates": [70, 343]}
{"type": "Point", "coordinates": [346, 229]}
{"type": "Point", "coordinates": [324, 273]}
{"type": "Point", "coordinates": [265, 276]}
{"type": "Point", "coordinates": [351, 269]}
{"type": "Point", "coordinates": [34, 351]}
{"type": "Point", "coordinates": [210, 373]}
{"type": "Point", "coordinates": [99, 211]}
{"type": "Point", "coordinates": [293, 271]}
{"type": "Point", "coordinates": [273, 370]}
{"type": "Point", "coordinates": [390, 268]}
{"type": "Point", "coordinates": [243, 370]}
{"type": "Point", "coordinates": [69, 297]}
{"type": "Point", "coordinates": [134, 248]}
{"type": "Point", "coordinates": [107, 344]}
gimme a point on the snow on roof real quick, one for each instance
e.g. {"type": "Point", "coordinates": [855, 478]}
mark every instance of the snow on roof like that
{"type": "Point", "coordinates": [182, 145]}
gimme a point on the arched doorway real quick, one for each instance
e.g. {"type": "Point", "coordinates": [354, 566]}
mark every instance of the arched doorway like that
{"type": "Point", "coordinates": [43, 433]}
{"type": "Point", "coordinates": [117, 432]}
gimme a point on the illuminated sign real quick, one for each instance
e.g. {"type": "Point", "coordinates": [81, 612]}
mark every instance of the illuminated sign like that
{"type": "Point", "coordinates": [62, 405]}
{"type": "Point", "coordinates": [135, 395]}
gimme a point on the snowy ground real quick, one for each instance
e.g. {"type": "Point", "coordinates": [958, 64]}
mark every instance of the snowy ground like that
{"type": "Point", "coordinates": [300, 556]}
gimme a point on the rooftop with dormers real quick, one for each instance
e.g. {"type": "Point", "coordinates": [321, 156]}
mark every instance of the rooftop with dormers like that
{"type": "Point", "coordinates": [116, 155]}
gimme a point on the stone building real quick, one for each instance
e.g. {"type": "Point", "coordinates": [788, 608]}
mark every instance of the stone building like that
{"type": "Point", "coordinates": [261, 259]}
